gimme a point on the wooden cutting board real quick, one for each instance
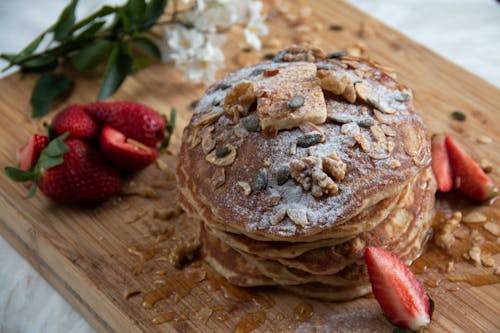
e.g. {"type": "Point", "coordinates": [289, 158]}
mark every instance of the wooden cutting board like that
{"type": "Point", "coordinates": [110, 259]}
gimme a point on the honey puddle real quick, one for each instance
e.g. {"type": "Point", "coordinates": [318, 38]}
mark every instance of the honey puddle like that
{"type": "Point", "coordinates": [303, 312]}
{"type": "Point", "coordinates": [250, 322]}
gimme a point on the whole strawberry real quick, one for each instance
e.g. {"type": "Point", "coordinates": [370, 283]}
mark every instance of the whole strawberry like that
{"type": "Point", "coordinates": [79, 123]}
{"type": "Point", "coordinates": [70, 171]}
{"type": "Point", "coordinates": [134, 120]}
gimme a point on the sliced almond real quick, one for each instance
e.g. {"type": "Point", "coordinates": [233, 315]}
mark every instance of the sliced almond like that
{"type": "Point", "coordinates": [298, 216]}
{"type": "Point", "coordinates": [493, 228]}
{"type": "Point", "coordinates": [474, 217]}
{"type": "Point", "coordinates": [222, 161]}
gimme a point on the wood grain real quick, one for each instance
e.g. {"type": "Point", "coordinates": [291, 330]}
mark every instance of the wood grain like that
{"type": "Point", "coordinates": [82, 251]}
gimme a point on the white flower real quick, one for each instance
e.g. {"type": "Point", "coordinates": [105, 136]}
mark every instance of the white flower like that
{"type": "Point", "coordinates": [256, 26]}
{"type": "Point", "coordinates": [182, 42]}
{"type": "Point", "coordinates": [209, 58]}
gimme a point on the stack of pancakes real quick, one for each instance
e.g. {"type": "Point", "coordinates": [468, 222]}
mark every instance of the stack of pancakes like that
{"type": "Point", "coordinates": [295, 165]}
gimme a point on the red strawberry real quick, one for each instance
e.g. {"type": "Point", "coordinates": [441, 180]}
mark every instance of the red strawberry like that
{"type": "Point", "coordinates": [83, 177]}
{"type": "Point", "coordinates": [401, 296]}
{"type": "Point", "coordinates": [29, 153]}
{"type": "Point", "coordinates": [441, 163]}
{"type": "Point", "coordinates": [469, 177]}
{"type": "Point", "coordinates": [75, 120]}
{"type": "Point", "coordinates": [126, 154]}
{"type": "Point", "coordinates": [134, 120]}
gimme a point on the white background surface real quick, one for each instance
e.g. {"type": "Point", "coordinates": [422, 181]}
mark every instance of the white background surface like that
{"type": "Point", "coordinates": [465, 31]}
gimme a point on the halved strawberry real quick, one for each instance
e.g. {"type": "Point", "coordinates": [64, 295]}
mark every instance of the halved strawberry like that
{"type": "Point", "coordinates": [75, 120]}
{"type": "Point", "coordinates": [470, 179]}
{"type": "Point", "coordinates": [441, 163]}
{"type": "Point", "coordinates": [134, 120]}
{"type": "Point", "coordinates": [401, 296]}
{"type": "Point", "coordinates": [126, 154]}
{"type": "Point", "coordinates": [29, 153]}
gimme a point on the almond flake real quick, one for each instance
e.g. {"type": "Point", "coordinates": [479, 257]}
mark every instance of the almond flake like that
{"type": "Point", "coordinates": [475, 254]}
{"type": "Point", "coordinates": [247, 189]}
{"type": "Point", "coordinates": [493, 228]}
{"type": "Point", "coordinates": [474, 217]}
{"type": "Point", "coordinates": [278, 217]}
{"type": "Point", "coordinates": [298, 216]}
{"type": "Point", "coordinates": [484, 139]}
{"type": "Point", "coordinates": [488, 262]}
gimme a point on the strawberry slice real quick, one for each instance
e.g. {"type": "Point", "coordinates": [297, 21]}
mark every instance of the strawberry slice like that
{"type": "Point", "coordinates": [75, 120]}
{"type": "Point", "coordinates": [441, 163]}
{"type": "Point", "coordinates": [470, 179]}
{"type": "Point", "coordinates": [401, 296]}
{"type": "Point", "coordinates": [126, 154]}
{"type": "Point", "coordinates": [134, 120]}
{"type": "Point", "coordinates": [29, 153]}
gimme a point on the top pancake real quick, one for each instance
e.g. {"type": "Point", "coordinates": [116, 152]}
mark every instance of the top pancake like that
{"type": "Point", "coordinates": [372, 142]}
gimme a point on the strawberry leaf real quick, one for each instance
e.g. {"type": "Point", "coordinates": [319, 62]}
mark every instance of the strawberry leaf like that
{"type": "Point", "coordinates": [119, 66]}
{"type": "Point", "coordinates": [48, 87]}
{"type": "Point", "coordinates": [52, 155]}
{"type": "Point", "coordinates": [19, 175]}
{"type": "Point", "coordinates": [65, 22]}
{"type": "Point", "coordinates": [91, 55]}
{"type": "Point", "coordinates": [169, 128]}
{"type": "Point", "coordinates": [31, 192]}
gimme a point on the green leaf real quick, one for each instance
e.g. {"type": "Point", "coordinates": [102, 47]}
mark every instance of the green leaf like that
{"type": "Point", "coordinates": [48, 87]}
{"type": "Point", "coordinates": [147, 45]}
{"type": "Point", "coordinates": [31, 192]}
{"type": "Point", "coordinates": [104, 11]}
{"type": "Point", "coordinates": [52, 155]}
{"type": "Point", "coordinates": [18, 175]}
{"type": "Point", "coordinates": [40, 63]}
{"type": "Point", "coordinates": [154, 10]}
{"type": "Point", "coordinates": [123, 23]}
{"type": "Point", "coordinates": [402, 330]}
{"type": "Point", "coordinates": [141, 63]}
{"type": "Point", "coordinates": [169, 128]}
{"type": "Point", "coordinates": [91, 55]}
{"type": "Point", "coordinates": [56, 147]}
{"type": "Point", "coordinates": [64, 25]}
{"type": "Point", "coordinates": [91, 29]}
{"type": "Point", "coordinates": [136, 10]}
{"type": "Point", "coordinates": [118, 67]}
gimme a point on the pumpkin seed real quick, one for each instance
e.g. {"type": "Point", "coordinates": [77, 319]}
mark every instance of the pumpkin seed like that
{"type": "Point", "coordinates": [260, 180]}
{"type": "Point", "coordinates": [279, 57]}
{"type": "Point", "coordinates": [224, 85]}
{"type": "Point", "coordinates": [309, 139]}
{"type": "Point", "coordinates": [257, 71]}
{"type": "Point", "coordinates": [295, 102]}
{"type": "Point", "coordinates": [221, 152]}
{"type": "Point", "coordinates": [458, 115]}
{"type": "Point", "coordinates": [402, 97]}
{"type": "Point", "coordinates": [365, 122]}
{"type": "Point", "coordinates": [251, 123]}
{"type": "Point", "coordinates": [282, 174]}
{"type": "Point", "coordinates": [336, 54]}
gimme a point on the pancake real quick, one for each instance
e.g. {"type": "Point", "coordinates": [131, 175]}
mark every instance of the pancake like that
{"type": "Point", "coordinates": [295, 166]}
{"type": "Point", "coordinates": [370, 176]}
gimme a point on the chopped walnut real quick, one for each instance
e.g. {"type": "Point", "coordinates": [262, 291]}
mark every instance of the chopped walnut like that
{"type": "Point", "coordinates": [486, 165]}
{"type": "Point", "coordinates": [329, 82]}
{"type": "Point", "coordinates": [304, 52]}
{"type": "Point", "coordinates": [239, 100]}
{"type": "Point", "coordinates": [318, 174]}
{"type": "Point", "coordinates": [183, 250]}
{"type": "Point", "coordinates": [450, 267]}
{"type": "Point", "coordinates": [393, 164]}
{"type": "Point", "coordinates": [488, 261]}
{"type": "Point", "coordinates": [140, 189]}
{"type": "Point", "coordinates": [349, 93]}
{"type": "Point", "coordinates": [445, 237]}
